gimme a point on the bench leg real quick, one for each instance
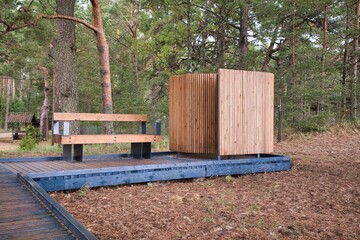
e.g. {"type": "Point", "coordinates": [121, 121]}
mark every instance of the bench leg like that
{"type": "Point", "coordinates": [141, 150]}
{"type": "Point", "coordinates": [67, 152]}
{"type": "Point", "coordinates": [146, 150]}
{"type": "Point", "coordinates": [78, 152]}
{"type": "Point", "coordinates": [136, 150]}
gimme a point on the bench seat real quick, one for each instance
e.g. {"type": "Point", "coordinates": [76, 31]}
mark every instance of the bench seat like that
{"type": "Point", "coordinates": [106, 138]}
{"type": "Point", "coordinates": [73, 145]}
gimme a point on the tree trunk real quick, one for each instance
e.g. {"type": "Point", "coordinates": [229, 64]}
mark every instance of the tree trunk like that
{"type": "Point", "coordinates": [133, 26]}
{"type": "Point", "coordinates": [354, 65]}
{"type": "Point", "coordinates": [323, 58]}
{"type": "Point", "coordinates": [270, 50]}
{"type": "Point", "coordinates": [189, 36]}
{"type": "Point", "coordinates": [1, 94]}
{"type": "Point", "coordinates": [204, 37]}
{"type": "Point", "coordinates": [13, 90]}
{"type": "Point", "coordinates": [8, 97]}
{"type": "Point", "coordinates": [104, 60]}
{"type": "Point", "coordinates": [28, 92]}
{"type": "Point", "coordinates": [21, 85]}
{"type": "Point", "coordinates": [63, 50]}
{"type": "Point", "coordinates": [44, 117]}
{"type": "Point", "coordinates": [293, 80]}
{"type": "Point", "coordinates": [220, 42]}
{"type": "Point", "coordinates": [345, 66]}
{"type": "Point", "coordinates": [243, 40]}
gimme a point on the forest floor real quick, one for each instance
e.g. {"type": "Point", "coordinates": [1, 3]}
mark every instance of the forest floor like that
{"type": "Point", "coordinates": [319, 198]}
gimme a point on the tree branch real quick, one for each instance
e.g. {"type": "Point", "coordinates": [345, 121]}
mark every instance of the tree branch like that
{"type": "Point", "coordinates": [10, 27]}
{"type": "Point", "coordinates": [74, 19]}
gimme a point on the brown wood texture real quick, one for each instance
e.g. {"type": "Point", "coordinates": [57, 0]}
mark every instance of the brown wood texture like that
{"type": "Point", "coordinates": [101, 117]}
{"type": "Point", "coordinates": [107, 138]}
{"type": "Point", "coordinates": [22, 216]}
{"type": "Point", "coordinates": [246, 112]}
{"type": "Point", "coordinates": [192, 113]}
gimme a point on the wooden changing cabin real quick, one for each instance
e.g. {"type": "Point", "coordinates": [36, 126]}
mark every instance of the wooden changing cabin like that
{"type": "Point", "coordinates": [229, 113]}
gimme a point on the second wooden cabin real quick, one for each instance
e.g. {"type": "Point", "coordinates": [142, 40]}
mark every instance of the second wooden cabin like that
{"type": "Point", "coordinates": [229, 113]}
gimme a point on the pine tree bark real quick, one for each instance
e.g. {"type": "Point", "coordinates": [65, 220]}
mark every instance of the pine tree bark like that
{"type": "Point", "coordinates": [13, 90]}
{"type": "Point", "coordinates": [63, 50]}
{"type": "Point", "coordinates": [189, 36]}
{"type": "Point", "coordinates": [7, 107]}
{"type": "Point", "coordinates": [354, 64]}
{"type": "Point", "coordinates": [28, 92]}
{"type": "Point", "coordinates": [104, 61]}
{"type": "Point", "coordinates": [220, 43]}
{"type": "Point", "coordinates": [344, 92]}
{"type": "Point", "coordinates": [133, 26]}
{"type": "Point", "coordinates": [21, 85]}
{"type": "Point", "coordinates": [44, 116]}
{"type": "Point", "coordinates": [243, 40]}
{"type": "Point", "coordinates": [67, 16]}
{"type": "Point", "coordinates": [323, 58]}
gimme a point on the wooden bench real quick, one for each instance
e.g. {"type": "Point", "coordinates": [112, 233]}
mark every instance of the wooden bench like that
{"type": "Point", "coordinates": [73, 144]}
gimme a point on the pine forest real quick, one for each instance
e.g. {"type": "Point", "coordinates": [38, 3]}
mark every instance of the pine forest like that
{"type": "Point", "coordinates": [58, 54]}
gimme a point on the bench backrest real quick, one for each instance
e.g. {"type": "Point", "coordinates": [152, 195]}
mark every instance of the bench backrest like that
{"type": "Point", "coordinates": [99, 117]}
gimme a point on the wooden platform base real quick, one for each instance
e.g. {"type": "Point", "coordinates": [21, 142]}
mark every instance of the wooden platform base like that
{"type": "Point", "coordinates": [158, 169]}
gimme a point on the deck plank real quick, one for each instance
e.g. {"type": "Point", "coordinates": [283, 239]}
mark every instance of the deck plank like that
{"type": "Point", "coordinates": [22, 216]}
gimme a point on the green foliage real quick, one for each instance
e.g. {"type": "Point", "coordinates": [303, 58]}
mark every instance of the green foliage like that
{"type": "Point", "coordinates": [27, 143]}
{"type": "Point", "coordinates": [316, 123]}
{"type": "Point", "coordinates": [174, 37]}
{"type": "Point", "coordinates": [82, 192]}
{"type": "Point", "coordinates": [31, 139]}
{"type": "Point", "coordinates": [33, 132]}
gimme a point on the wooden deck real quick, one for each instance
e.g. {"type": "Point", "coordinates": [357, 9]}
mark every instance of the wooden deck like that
{"type": "Point", "coordinates": [106, 171]}
{"type": "Point", "coordinates": [22, 216]}
{"type": "Point", "coordinates": [61, 166]}
{"type": "Point", "coordinates": [22, 211]}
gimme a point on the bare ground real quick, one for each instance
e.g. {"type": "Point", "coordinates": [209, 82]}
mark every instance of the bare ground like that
{"type": "Point", "coordinates": [6, 142]}
{"type": "Point", "coordinates": [318, 199]}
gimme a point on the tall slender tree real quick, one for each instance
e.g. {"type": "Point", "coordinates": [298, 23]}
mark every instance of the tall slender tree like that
{"type": "Point", "coordinates": [103, 51]}
{"type": "Point", "coordinates": [63, 50]}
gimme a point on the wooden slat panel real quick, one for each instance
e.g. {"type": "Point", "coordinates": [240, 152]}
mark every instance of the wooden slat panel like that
{"type": "Point", "coordinates": [101, 117]}
{"type": "Point", "coordinates": [246, 112]}
{"type": "Point", "coordinates": [192, 113]}
{"type": "Point", "coordinates": [115, 138]}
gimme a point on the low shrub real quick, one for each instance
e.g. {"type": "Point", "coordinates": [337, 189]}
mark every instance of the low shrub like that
{"type": "Point", "coordinates": [32, 137]}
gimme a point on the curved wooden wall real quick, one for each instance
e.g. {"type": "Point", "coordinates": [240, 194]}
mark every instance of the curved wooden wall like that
{"type": "Point", "coordinates": [192, 113]}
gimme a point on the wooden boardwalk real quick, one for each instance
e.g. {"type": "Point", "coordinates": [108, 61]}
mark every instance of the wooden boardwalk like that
{"type": "Point", "coordinates": [59, 165]}
{"type": "Point", "coordinates": [22, 216]}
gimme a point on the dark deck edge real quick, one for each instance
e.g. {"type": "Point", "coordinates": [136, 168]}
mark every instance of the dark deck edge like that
{"type": "Point", "coordinates": [76, 179]}
{"type": "Point", "coordinates": [59, 158]}
{"type": "Point", "coordinates": [66, 218]}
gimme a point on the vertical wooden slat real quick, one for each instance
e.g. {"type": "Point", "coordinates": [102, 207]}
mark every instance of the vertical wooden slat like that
{"type": "Point", "coordinates": [245, 112]}
{"type": "Point", "coordinates": [238, 94]}
{"type": "Point", "coordinates": [259, 111]}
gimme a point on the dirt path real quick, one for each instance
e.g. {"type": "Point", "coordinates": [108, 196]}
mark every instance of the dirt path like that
{"type": "Point", "coordinates": [318, 199]}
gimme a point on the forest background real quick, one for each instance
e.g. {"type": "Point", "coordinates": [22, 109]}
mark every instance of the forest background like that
{"type": "Point", "coordinates": [310, 46]}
